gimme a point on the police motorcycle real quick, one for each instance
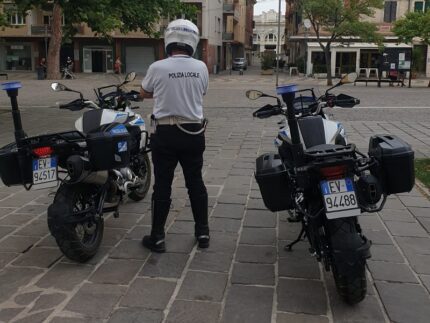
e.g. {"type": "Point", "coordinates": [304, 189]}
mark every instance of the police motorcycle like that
{"type": "Point", "coordinates": [326, 183]}
{"type": "Point", "coordinates": [97, 166]}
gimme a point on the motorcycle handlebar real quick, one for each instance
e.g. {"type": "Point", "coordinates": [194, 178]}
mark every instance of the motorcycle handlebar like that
{"type": "Point", "coordinates": [75, 105]}
{"type": "Point", "coordinates": [132, 96]}
{"type": "Point", "coordinates": [267, 113]}
{"type": "Point", "coordinates": [346, 103]}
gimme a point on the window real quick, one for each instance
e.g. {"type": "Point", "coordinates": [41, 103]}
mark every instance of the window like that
{"type": "Point", "coordinates": [422, 6]}
{"type": "Point", "coordinates": [390, 8]}
{"type": "Point", "coordinates": [47, 20]}
{"type": "Point", "coordinates": [270, 37]}
{"type": "Point", "coordinates": [16, 19]}
{"type": "Point", "coordinates": [18, 57]}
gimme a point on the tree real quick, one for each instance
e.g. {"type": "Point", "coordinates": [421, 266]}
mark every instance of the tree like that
{"type": "Point", "coordinates": [102, 16]}
{"type": "Point", "coordinates": [414, 25]}
{"type": "Point", "coordinates": [337, 19]}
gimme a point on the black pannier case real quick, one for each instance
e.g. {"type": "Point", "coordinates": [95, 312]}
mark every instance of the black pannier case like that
{"type": "Point", "coordinates": [108, 150]}
{"type": "Point", "coordinates": [273, 180]}
{"type": "Point", "coordinates": [396, 159]}
{"type": "Point", "coordinates": [10, 171]}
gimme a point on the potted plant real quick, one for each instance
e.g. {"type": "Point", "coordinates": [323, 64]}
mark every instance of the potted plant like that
{"type": "Point", "coordinates": [267, 62]}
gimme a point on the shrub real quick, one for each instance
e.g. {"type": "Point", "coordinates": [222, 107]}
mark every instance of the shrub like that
{"type": "Point", "coordinates": [267, 60]}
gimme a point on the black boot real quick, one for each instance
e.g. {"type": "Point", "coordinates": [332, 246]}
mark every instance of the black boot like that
{"type": "Point", "coordinates": [199, 206]}
{"type": "Point", "coordinates": [159, 211]}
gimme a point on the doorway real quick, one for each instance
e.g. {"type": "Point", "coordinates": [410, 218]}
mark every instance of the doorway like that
{"type": "Point", "coordinates": [345, 63]}
{"type": "Point", "coordinates": [369, 58]}
{"type": "Point", "coordinates": [98, 60]}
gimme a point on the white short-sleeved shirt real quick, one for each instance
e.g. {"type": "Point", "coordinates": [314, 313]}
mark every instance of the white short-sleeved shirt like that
{"type": "Point", "coordinates": [178, 84]}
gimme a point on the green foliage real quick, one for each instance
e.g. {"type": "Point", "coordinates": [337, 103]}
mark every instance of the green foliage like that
{"type": "Point", "coordinates": [104, 16]}
{"type": "Point", "coordinates": [267, 59]}
{"type": "Point", "coordinates": [418, 60]}
{"type": "Point", "coordinates": [340, 19]}
{"type": "Point", "coordinates": [414, 24]}
{"type": "Point", "coordinates": [300, 63]}
{"type": "Point", "coordinates": [422, 171]}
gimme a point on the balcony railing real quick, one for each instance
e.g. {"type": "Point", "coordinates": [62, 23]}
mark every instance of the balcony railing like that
{"type": "Point", "coordinates": [40, 30]}
{"type": "Point", "coordinates": [227, 36]}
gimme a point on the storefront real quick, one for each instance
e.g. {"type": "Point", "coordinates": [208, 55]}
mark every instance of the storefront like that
{"type": "Point", "coordinates": [346, 58]}
{"type": "Point", "coordinates": [16, 56]}
{"type": "Point", "coordinates": [97, 59]}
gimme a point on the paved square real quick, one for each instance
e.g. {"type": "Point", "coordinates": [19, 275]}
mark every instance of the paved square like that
{"type": "Point", "coordinates": [245, 276]}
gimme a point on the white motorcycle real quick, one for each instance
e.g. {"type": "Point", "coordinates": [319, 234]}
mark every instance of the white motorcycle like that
{"type": "Point", "coordinates": [98, 166]}
{"type": "Point", "coordinates": [325, 183]}
{"type": "Point", "coordinates": [116, 166]}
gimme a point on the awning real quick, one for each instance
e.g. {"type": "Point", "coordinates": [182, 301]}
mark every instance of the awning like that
{"type": "Point", "coordinates": [359, 45]}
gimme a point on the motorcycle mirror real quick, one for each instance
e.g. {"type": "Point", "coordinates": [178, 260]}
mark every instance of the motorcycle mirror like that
{"type": "Point", "coordinates": [254, 94]}
{"type": "Point", "coordinates": [349, 78]}
{"type": "Point", "coordinates": [57, 87]}
{"type": "Point", "coordinates": [130, 77]}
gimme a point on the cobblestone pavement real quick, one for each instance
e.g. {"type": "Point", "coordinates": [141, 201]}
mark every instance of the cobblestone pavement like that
{"type": "Point", "coordinates": [245, 275]}
{"type": "Point", "coordinates": [226, 91]}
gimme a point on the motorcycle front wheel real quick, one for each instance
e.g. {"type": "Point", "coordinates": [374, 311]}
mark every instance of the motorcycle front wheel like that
{"type": "Point", "coordinates": [143, 170]}
{"type": "Point", "coordinates": [349, 272]}
{"type": "Point", "coordinates": [78, 241]}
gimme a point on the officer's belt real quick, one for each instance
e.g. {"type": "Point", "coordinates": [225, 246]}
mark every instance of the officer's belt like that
{"type": "Point", "coordinates": [174, 120]}
{"type": "Point", "coordinates": [178, 121]}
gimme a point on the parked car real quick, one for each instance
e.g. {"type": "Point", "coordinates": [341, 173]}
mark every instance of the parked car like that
{"type": "Point", "coordinates": [240, 63]}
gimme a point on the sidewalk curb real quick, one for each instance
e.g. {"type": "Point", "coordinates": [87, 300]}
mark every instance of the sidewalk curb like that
{"type": "Point", "coordinates": [422, 188]}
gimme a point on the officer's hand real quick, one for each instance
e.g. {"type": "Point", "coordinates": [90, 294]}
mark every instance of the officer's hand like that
{"type": "Point", "coordinates": [145, 95]}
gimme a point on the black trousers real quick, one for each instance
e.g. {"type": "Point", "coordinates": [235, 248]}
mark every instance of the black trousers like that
{"type": "Point", "coordinates": [171, 146]}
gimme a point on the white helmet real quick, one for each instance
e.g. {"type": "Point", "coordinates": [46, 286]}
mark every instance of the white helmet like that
{"type": "Point", "coordinates": [182, 34]}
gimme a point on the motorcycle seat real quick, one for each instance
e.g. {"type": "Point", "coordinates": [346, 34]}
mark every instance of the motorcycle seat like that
{"type": "Point", "coordinates": [312, 131]}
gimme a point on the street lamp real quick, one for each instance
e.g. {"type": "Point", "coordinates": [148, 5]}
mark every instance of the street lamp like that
{"type": "Point", "coordinates": [307, 24]}
{"type": "Point", "coordinates": [278, 44]}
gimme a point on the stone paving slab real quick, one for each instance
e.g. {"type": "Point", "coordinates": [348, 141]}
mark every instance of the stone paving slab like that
{"type": "Point", "coordinates": [245, 275]}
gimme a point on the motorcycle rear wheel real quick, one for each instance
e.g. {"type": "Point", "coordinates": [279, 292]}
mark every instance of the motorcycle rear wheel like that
{"type": "Point", "coordinates": [144, 173]}
{"type": "Point", "coordinates": [349, 276]}
{"type": "Point", "coordinates": [77, 241]}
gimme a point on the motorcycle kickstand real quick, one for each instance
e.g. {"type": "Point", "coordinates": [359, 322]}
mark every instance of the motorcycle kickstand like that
{"type": "Point", "coordinates": [302, 234]}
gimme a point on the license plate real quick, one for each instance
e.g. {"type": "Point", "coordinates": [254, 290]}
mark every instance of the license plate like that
{"type": "Point", "coordinates": [339, 198]}
{"type": "Point", "coordinates": [45, 172]}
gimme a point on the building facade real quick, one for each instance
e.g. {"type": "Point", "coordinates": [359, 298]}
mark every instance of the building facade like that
{"type": "Point", "coordinates": [266, 33]}
{"type": "Point", "coordinates": [26, 42]}
{"type": "Point", "coordinates": [352, 54]}
{"type": "Point", "coordinates": [237, 30]}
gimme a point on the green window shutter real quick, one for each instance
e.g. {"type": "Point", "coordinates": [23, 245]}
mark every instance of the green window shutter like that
{"type": "Point", "coordinates": [418, 6]}
{"type": "Point", "coordinates": [427, 6]}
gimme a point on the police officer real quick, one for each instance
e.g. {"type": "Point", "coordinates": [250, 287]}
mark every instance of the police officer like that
{"type": "Point", "coordinates": [177, 85]}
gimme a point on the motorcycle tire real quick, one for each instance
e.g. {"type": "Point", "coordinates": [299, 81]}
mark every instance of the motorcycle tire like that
{"type": "Point", "coordinates": [145, 172]}
{"type": "Point", "coordinates": [349, 276]}
{"type": "Point", "coordinates": [77, 241]}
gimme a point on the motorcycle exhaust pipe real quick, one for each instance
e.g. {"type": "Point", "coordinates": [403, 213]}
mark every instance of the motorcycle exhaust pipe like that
{"type": "Point", "coordinates": [79, 170]}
